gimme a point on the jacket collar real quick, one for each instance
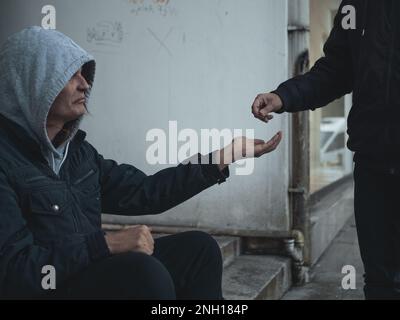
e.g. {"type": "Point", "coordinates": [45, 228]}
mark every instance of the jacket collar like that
{"type": "Point", "coordinates": [26, 144]}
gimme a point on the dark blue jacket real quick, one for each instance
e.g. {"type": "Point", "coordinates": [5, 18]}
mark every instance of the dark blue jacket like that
{"type": "Point", "coordinates": [47, 219]}
{"type": "Point", "coordinates": [366, 62]}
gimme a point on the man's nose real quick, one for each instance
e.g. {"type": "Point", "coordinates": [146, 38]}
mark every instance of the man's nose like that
{"type": "Point", "coordinates": [82, 83]}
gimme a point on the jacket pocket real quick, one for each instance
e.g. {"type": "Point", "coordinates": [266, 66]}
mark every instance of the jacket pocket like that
{"type": "Point", "coordinates": [49, 215]}
{"type": "Point", "coordinates": [84, 177]}
{"type": "Point", "coordinates": [87, 182]}
{"type": "Point", "coordinates": [29, 178]}
{"type": "Point", "coordinates": [36, 179]}
{"type": "Point", "coordinates": [49, 201]}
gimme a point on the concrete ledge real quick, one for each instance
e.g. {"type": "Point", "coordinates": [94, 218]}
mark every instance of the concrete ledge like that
{"type": "Point", "coordinates": [328, 216]}
{"type": "Point", "coordinates": [257, 278]}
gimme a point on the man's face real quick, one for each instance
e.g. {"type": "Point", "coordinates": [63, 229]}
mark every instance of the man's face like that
{"type": "Point", "coordinates": [70, 103]}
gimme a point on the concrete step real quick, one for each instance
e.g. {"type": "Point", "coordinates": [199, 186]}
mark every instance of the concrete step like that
{"type": "Point", "coordinates": [252, 277]}
{"type": "Point", "coordinates": [230, 249]}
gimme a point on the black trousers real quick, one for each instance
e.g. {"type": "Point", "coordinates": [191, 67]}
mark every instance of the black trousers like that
{"type": "Point", "coordinates": [377, 211]}
{"type": "Point", "coordinates": [183, 266]}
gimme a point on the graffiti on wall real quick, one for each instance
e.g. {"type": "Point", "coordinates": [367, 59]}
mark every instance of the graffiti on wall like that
{"type": "Point", "coordinates": [161, 7]}
{"type": "Point", "coordinates": [105, 32]}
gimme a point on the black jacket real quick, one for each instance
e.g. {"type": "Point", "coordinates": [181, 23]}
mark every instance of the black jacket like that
{"type": "Point", "coordinates": [365, 61]}
{"type": "Point", "coordinates": [47, 219]}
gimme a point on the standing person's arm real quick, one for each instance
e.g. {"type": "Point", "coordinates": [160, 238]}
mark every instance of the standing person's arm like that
{"type": "Point", "coordinates": [330, 78]}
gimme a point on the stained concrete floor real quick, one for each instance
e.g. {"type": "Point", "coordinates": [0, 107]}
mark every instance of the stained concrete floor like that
{"type": "Point", "coordinates": [326, 275]}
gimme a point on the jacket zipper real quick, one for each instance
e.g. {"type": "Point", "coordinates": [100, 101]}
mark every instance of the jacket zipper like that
{"type": "Point", "coordinates": [74, 216]}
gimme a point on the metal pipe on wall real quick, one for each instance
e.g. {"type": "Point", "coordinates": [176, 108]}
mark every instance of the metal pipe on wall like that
{"type": "Point", "coordinates": [298, 35]}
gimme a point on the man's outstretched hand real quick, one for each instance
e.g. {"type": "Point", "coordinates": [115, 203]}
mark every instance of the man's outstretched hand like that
{"type": "Point", "coordinates": [265, 104]}
{"type": "Point", "coordinates": [243, 148]}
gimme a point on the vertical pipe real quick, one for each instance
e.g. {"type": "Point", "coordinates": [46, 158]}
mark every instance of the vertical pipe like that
{"type": "Point", "coordinates": [298, 29]}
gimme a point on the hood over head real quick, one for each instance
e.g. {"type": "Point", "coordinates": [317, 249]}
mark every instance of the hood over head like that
{"type": "Point", "coordinates": [36, 64]}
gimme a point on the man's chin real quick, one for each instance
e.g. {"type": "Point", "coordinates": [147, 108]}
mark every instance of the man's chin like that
{"type": "Point", "coordinates": [75, 118]}
{"type": "Point", "coordinates": [77, 115]}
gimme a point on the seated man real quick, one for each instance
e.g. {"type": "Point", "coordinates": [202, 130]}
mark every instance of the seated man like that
{"type": "Point", "coordinates": [54, 186]}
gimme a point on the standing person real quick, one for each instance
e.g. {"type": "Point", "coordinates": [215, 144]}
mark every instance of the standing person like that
{"type": "Point", "coordinates": [365, 61]}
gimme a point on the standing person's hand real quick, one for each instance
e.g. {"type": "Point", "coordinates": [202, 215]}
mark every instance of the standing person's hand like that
{"type": "Point", "coordinates": [265, 104]}
{"type": "Point", "coordinates": [137, 238]}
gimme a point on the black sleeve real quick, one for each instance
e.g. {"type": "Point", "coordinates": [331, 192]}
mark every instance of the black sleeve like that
{"type": "Point", "coordinates": [22, 259]}
{"type": "Point", "coordinates": [128, 191]}
{"type": "Point", "coordinates": [330, 78]}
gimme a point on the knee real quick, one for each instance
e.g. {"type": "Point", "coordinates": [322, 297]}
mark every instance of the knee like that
{"type": "Point", "coordinates": [141, 276]}
{"type": "Point", "coordinates": [206, 244]}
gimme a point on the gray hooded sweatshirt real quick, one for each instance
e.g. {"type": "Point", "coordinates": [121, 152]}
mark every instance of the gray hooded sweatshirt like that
{"type": "Point", "coordinates": [35, 65]}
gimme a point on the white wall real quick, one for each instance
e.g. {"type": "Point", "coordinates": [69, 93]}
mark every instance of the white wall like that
{"type": "Point", "coordinates": [215, 56]}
